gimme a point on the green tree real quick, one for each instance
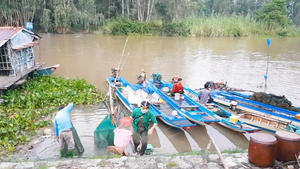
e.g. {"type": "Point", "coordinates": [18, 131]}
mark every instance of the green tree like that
{"type": "Point", "coordinates": [296, 18]}
{"type": "Point", "coordinates": [45, 21]}
{"type": "Point", "coordinates": [273, 12]}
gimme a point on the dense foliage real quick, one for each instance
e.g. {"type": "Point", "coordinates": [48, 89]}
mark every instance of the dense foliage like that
{"type": "Point", "coordinates": [22, 111]}
{"type": "Point", "coordinates": [122, 26]}
{"type": "Point", "coordinates": [65, 16]}
{"type": "Point", "coordinates": [275, 11]}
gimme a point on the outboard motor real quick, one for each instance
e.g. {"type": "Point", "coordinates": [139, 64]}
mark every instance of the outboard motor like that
{"type": "Point", "coordinates": [156, 77]}
{"type": "Point", "coordinates": [233, 105]}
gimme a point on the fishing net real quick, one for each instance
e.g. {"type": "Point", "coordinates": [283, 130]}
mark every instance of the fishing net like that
{"type": "Point", "coordinates": [78, 149]}
{"type": "Point", "coordinates": [271, 99]}
{"type": "Point", "coordinates": [104, 134]}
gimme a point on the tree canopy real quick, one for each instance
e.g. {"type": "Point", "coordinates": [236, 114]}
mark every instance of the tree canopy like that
{"type": "Point", "coordinates": [61, 15]}
{"type": "Point", "coordinates": [275, 11]}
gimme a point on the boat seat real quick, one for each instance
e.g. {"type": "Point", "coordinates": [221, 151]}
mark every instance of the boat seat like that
{"type": "Point", "coordinates": [188, 106]}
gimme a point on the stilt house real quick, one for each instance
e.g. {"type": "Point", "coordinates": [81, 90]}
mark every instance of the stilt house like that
{"type": "Point", "coordinates": [16, 54]}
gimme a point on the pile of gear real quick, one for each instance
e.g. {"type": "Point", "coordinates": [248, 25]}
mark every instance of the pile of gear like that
{"type": "Point", "coordinates": [274, 100]}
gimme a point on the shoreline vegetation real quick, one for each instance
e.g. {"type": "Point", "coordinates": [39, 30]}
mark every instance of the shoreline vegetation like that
{"type": "Point", "coordinates": [213, 26]}
{"type": "Point", "coordinates": [28, 108]}
{"type": "Point", "coordinates": [203, 18]}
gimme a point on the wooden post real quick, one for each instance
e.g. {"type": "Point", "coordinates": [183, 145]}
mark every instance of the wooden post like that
{"type": "Point", "coordinates": [220, 155]}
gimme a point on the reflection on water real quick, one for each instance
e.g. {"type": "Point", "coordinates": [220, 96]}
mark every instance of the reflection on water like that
{"type": "Point", "coordinates": [226, 138]}
{"type": "Point", "coordinates": [200, 135]}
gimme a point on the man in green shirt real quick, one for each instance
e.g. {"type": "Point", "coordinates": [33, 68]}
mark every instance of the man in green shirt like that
{"type": "Point", "coordinates": [140, 122]}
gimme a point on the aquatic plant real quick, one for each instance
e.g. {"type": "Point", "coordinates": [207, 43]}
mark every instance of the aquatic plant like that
{"type": "Point", "coordinates": [24, 109]}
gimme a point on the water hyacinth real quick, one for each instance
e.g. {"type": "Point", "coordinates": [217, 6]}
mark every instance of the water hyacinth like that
{"type": "Point", "coordinates": [23, 108]}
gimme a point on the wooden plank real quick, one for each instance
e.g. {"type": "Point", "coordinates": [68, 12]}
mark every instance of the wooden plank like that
{"type": "Point", "coordinates": [7, 81]}
{"type": "Point", "coordinates": [20, 82]}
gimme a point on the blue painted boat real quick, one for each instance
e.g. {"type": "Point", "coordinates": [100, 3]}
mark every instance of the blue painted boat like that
{"type": "Point", "coordinates": [225, 98]}
{"type": "Point", "coordinates": [188, 108]}
{"type": "Point", "coordinates": [47, 70]}
{"type": "Point", "coordinates": [216, 111]}
{"type": "Point", "coordinates": [163, 112]}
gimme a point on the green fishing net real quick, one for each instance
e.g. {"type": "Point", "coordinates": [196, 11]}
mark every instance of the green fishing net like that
{"type": "Point", "coordinates": [104, 133]}
{"type": "Point", "coordinates": [79, 149]}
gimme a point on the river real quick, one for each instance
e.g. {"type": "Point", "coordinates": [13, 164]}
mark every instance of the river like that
{"type": "Point", "coordinates": [241, 62]}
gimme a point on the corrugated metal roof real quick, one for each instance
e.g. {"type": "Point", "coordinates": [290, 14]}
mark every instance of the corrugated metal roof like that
{"type": "Point", "coordinates": [7, 33]}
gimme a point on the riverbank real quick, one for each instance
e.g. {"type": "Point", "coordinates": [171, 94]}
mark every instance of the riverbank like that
{"type": "Point", "coordinates": [232, 161]}
{"type": "Point", "coordinates": [29, 108]}
{"type": "Point", "coordinates": [211, 26]}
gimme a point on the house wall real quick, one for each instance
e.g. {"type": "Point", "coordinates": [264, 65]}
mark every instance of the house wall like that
{"type": "Point", "coordinates": [5, 63]}
{"type": "Point", "coordinates": [15, 62]}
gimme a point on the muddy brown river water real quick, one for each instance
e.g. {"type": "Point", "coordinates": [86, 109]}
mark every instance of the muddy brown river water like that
{"type": "Point", "coordinates": [241, 62]}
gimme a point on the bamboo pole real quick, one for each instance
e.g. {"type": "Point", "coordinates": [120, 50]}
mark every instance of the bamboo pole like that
{"type": "Point", "coordinates": [220, 154]}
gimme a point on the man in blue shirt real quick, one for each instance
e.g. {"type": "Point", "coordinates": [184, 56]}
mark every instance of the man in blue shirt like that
{"type": "Point", "coordinates": [62, 128]}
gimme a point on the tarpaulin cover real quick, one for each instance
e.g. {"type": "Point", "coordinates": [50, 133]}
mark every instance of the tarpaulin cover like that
{"type": "Point", "coordinates": [21, 39]}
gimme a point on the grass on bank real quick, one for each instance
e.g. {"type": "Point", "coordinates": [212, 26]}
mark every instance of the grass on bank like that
{"type": "Point", "coordinates": [234, 150]}
{"type": "Point", "coordinates": [26, 109]}
{"type": "Point", "coordinates": [211, 26]}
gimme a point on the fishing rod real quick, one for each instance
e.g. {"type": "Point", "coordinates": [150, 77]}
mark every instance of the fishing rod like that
{"type": "Point", "coordinates": [123, 52]}
{"type": "Point", "coordinates": [122, 66]}
{"type": "Point", "coordinates": [117, 74]}
{"type": "Point", "coordinates": [118, 71]}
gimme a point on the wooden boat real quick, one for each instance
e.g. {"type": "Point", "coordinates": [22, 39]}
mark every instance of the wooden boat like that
{"type": "Point", "coordinates": [262, 120]}
{"type": "Point", "coordinates": [47, 70]}
{"type": "Point", "coordinates": [219, 113]}
{"type": "Point", "coordinates": [188, 108]}
{"type": "Point", "coordinates": [124, 89]}
{"type": "Point", "coordinates": [247, 105]}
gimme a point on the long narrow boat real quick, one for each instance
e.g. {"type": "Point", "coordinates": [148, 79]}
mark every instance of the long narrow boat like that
{"type": "Point", "coordinates": [47, 70]}
{"type": "Point", "coordinates": [188, 108]}
{"type": "Point", "coordinates": [262, 118]}
{"type": "Point", "coordinates": [256, 107]}
{"type": "Point", "coordinates": [124, 89]}
{"type": "Point", "coordinates": [244, 99]}
{"type": "Point", "coordinates": [220, 114]}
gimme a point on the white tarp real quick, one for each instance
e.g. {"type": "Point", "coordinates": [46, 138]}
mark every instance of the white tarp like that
{"type": "Point", "coordinates": [21, 39]}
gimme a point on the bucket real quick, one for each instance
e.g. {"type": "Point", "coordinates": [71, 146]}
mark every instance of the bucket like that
{"type": "Point", "coordinates": [233, 119]}
{"type": "Point", "coordinates": [125, 121]}
{"type": "Point", "coordinates": [122, 137]}
{"type": "Point", "coordinates": [177, 96]}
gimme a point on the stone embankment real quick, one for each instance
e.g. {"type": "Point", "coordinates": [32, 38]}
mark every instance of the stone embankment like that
{"type": "Point", "coordinates": [233, 161]}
